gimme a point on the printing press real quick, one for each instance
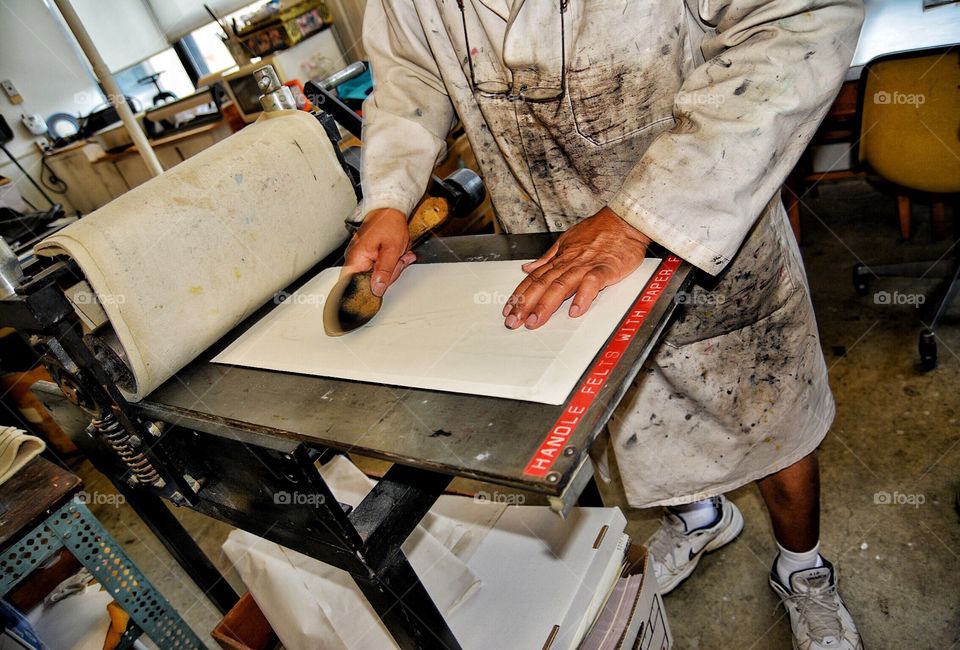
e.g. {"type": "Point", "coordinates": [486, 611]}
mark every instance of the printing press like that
{"type": "Point", "coordinates": [225, 440]}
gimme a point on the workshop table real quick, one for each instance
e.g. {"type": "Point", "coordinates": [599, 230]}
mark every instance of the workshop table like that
{"type": "Point", "coordinates": [892, 26]}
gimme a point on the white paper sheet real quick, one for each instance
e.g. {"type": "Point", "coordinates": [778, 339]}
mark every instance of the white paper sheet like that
{"type": "Point", "coordinates": [440, 328]}
{"type": "Point", "coordinates": [538, 571]}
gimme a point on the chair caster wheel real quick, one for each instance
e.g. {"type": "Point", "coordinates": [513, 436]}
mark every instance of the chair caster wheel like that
{"type": "Point", "coordinates": [928, 351]}
{"type": "Point", "coordinates": [861, 279]}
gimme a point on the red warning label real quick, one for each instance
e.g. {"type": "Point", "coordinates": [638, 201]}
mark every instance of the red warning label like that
{"type": "Point", "coordinates": [552, 446]}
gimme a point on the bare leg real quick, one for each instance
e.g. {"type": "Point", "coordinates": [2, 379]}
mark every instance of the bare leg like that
{"type": "Point", "coordinates": [792, 496]}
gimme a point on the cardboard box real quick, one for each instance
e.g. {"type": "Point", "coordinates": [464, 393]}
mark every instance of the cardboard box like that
{"type": "Point", "coordinates": [654, 631]}
{"type": "Point", "coordinates": [543, 578]}
{"type": "Point", "coordinates": [632, 615]}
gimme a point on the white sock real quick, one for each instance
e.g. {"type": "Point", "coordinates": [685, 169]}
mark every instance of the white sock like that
{"type": "Point", "coordinates": [790, 562]}
{"type": "Point", "coordinates": [696, 515]}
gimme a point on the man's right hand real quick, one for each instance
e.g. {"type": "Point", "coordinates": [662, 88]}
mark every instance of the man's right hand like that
{"type": "Point", "coordinates": [381, 244]}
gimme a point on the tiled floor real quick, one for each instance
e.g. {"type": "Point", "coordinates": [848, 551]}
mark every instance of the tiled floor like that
{"type": "Point", "coordinates": [896, 431]}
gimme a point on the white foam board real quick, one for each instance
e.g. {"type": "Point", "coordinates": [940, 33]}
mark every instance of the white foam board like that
{"type": "Point", "coordinates": [440, 328]}
{"type": "Point", "coordinates": [539, 571]}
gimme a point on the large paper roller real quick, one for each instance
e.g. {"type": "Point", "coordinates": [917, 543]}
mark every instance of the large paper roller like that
{"type": "Point", "coordinates": [180, 260]}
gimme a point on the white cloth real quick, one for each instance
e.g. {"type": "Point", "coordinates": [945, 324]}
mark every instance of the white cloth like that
{"type": "Point", "coordinates": [17, 448]}
{"type": "Point", "coordinates": [684, 118]}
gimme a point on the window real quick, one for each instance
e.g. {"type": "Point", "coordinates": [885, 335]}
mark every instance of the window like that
{"type": "Point", "coordinates": [173, 78]}
{"type": "Point", "coordinates": [207, 41]}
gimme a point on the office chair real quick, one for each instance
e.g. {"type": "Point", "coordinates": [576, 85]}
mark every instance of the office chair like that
{"type": "Point", "coordinates": [910, 137]}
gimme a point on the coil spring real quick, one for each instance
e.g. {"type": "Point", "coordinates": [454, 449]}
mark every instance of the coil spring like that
{"type": "Point", "coordinates": [119, 439]}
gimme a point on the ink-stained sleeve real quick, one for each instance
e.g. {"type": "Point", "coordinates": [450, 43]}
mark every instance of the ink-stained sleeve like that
{"type": "Point", "coordinates": [772, 69]}
{"type": "Point", "coordinates": [407, 117]}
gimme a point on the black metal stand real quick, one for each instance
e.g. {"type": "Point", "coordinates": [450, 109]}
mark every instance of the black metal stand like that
{"type": "Point", "coordinates": [268, 487]}
{"type": "Point", "coordinates": [178, 542]}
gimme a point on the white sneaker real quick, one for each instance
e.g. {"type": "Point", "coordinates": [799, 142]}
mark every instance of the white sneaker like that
{"type": "Point", "coordinates": [818, 617]}
{"type": "Point", "coordinates": [675, 552]}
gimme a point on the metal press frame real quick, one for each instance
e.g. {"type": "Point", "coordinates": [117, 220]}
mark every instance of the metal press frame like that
{"type": "Point", "coordinates": [229, 442]}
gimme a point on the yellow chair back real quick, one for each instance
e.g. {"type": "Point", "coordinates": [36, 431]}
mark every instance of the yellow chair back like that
{"type": "Point", "coordinates": [910, 120]}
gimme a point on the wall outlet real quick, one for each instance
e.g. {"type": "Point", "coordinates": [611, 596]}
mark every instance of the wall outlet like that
{"type": "Point", "coordinates": [12, 92]}
{"type": "Point", "coordinates": [44, 145]}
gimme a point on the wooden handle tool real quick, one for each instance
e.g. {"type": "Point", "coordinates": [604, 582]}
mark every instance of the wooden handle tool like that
{"type": "Point", "coordinates": [351, 303]}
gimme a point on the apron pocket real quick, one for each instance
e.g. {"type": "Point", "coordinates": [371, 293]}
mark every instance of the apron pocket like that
{"type": "Point", "coordinates": [759, 281]}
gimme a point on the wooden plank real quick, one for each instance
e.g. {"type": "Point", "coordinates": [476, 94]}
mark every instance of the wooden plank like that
{"type": "Point", "coordinates": [192, 146]}
{"type": "Point", "coordinates": [245, 628]}
{"type": "Point", "coordinates": [30, 495]}
{"type": "Point", "coordinates": [133, 170]}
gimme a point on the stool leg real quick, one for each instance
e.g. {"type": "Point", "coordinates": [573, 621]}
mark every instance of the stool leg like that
{"type": "Point", "coordinates": [83, 535]}
{"type": "Point", "coordinates": [795, 219]}
{"type": "Point", "coordinates": [938, 217]}
{"type": "Point", "coordinates": [789, 194]}
{"type": "Point", "coordinates": [903, 210]}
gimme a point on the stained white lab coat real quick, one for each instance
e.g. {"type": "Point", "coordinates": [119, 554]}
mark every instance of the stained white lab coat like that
{"type": "Point", "coordinates": [684, 117]}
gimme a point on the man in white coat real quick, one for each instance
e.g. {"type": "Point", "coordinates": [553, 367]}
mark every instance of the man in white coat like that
{"type": "Point", "coordinates": [622, 123]}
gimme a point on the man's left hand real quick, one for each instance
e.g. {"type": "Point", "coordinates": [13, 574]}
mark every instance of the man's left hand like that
{"type": "Point", "coordinates": [597, 252]}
